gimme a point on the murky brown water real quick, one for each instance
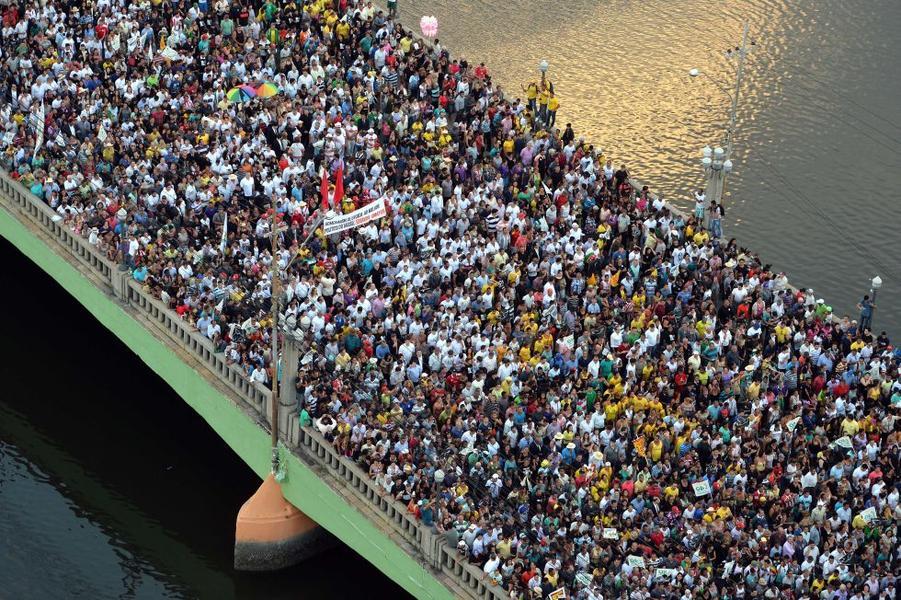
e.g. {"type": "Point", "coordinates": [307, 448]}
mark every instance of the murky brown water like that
{"type": "Point", "coordinates": [817, 185]}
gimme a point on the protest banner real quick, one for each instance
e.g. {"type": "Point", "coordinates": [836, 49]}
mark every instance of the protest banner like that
{"type": "Point", "coordinates": [361, 216]}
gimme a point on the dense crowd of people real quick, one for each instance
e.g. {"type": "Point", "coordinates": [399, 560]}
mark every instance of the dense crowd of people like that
{"type": "Point", "coordinates": [580, 387]}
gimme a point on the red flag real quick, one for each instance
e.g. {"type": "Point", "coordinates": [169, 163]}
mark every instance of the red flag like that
{"type": "Point", "coordinates": [339, 188]}
{"type": "Point", "coordinates": [324, 189]}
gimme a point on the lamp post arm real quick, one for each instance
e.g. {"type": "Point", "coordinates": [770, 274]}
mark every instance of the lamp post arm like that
{"type": "Point", "coordinates": [719, 86]}
{"type": "Point", "coordinates": [733, 113]}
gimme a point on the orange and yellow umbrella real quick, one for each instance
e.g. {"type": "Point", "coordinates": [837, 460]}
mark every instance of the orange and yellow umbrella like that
{"type": "Point", "coordinates": [267, 90]}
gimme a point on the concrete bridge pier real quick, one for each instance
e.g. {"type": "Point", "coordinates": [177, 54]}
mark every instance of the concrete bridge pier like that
{"type": "Point", "coordinates": [270, 532]}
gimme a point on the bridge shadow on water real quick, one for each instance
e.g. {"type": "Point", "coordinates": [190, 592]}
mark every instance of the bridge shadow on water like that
{"type": "Point", "coordinates": [110, 485]}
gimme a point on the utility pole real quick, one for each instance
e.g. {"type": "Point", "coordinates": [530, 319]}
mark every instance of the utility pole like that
{"type": "Point", "coordinates": [275, 283]}
{"type": "Point", "coordinates": [739, 75]}
{"type": "Point", "coordinates": [717, 162]}
{"type": "Point", "coordinates": [275, 287]}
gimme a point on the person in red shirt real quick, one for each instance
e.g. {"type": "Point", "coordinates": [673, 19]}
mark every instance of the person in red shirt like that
{"type": "Point", "coordinates": [743, 312]}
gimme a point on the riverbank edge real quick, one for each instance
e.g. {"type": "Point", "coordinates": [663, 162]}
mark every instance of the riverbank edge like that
{"type": "Point", "coordinates": [249, 440]}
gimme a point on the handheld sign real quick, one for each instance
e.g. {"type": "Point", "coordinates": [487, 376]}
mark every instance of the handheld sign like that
{"type": "Point", "coordinates": [701, 488]}
{"type": "Point", "coordinates": [868, 514]}
{"type": "Point", "coordinates": [844, 442]}
{"type": "Point", "coordinates": [664, 573]}
{"type": "Point", "coordinates": [635, 561]}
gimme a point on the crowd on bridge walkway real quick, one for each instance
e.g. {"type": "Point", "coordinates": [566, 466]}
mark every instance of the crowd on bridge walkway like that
{"type": "Point", "coordinates": [578, 386]}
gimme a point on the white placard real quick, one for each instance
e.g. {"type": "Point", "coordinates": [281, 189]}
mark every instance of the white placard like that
{"type": "Point", "coordinates": [610, 533]}
{"type": "Point", "coordinates": [635, 561]}
{"type": "Point", "coordinates": [701, 488]}
{"type": "Point", "coordinates": [844, 442]}
{"type": "Point", "coordinates": [868, 514]}
{"type": "Point", "coordinates": [792, 424]}
{"type": "Point", "coordinates": [665, 573]}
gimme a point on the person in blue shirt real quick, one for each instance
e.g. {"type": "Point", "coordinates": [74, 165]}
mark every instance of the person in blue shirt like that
{"type": "Point", "coordinates": [866, 306]}
{"type": "Point", "coordinates": [140, 274]}
{"type": "Point", "coordinates": [569, 453]}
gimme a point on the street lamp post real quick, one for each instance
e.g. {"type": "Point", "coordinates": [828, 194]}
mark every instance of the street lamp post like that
{"type": "Point", "coordinates": [875, 284]}
{"type": "Point", "coordinates": [718, 162]}
{"type": "Point", "coordinates": [275, 283]}
{"type": "Point", "coordinates": [543, 66]}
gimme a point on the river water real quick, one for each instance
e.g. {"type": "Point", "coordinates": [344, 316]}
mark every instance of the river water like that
{"type": "Point", "coordinates": [111, 487]}
{"type": "Point", "coordinates": [816, 189]}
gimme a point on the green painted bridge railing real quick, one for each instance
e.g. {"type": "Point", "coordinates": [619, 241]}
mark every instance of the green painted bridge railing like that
{"type": "Point", "coordinates": [343, 475]}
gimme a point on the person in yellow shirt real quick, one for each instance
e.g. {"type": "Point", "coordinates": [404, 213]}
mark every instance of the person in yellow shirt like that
{"type": "Point", "coordinates": [503, 548]}
{"type": "Point", "coordinates": [513, 277]}
{"type": "Point", "coordinates": [553, 104]}
{"type": "Point", "coordinates": [543, 97]}
{"type": "Point", "coordinates": [671, 492]}
{"type": "Point", "coordinates": [701, 328]}
{"type": "Point", "coordinates": [638, 322]}
{"type": "Point", "coordinates": [782, 333]}
{"type": "Point", "coordinates": [342, 30]}
{"type": "Point", "coordinates": [531, 91]}
{"type": "Point", "coordinates": [850, 426]}
{"type": "Point", "coordinates": [611, 410]}
{"type": "Point", "coordinates": [655, 449]}
{"type": "Point", "coordinates": [525, 354]}
{"type": "Point", "coordinates": [331, 19]}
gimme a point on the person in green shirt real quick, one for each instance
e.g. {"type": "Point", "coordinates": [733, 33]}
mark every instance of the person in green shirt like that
{"type": "Point", "coordinates": [590, 397]}
{"type": "Point", "coordinates": [606, 367]}
{"type": "Point", "coordinates": [227, 26]}
{"type": "Point", "coordinates": [352, 342]}
{"type": "Point", "coordinates": [270, 10]}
